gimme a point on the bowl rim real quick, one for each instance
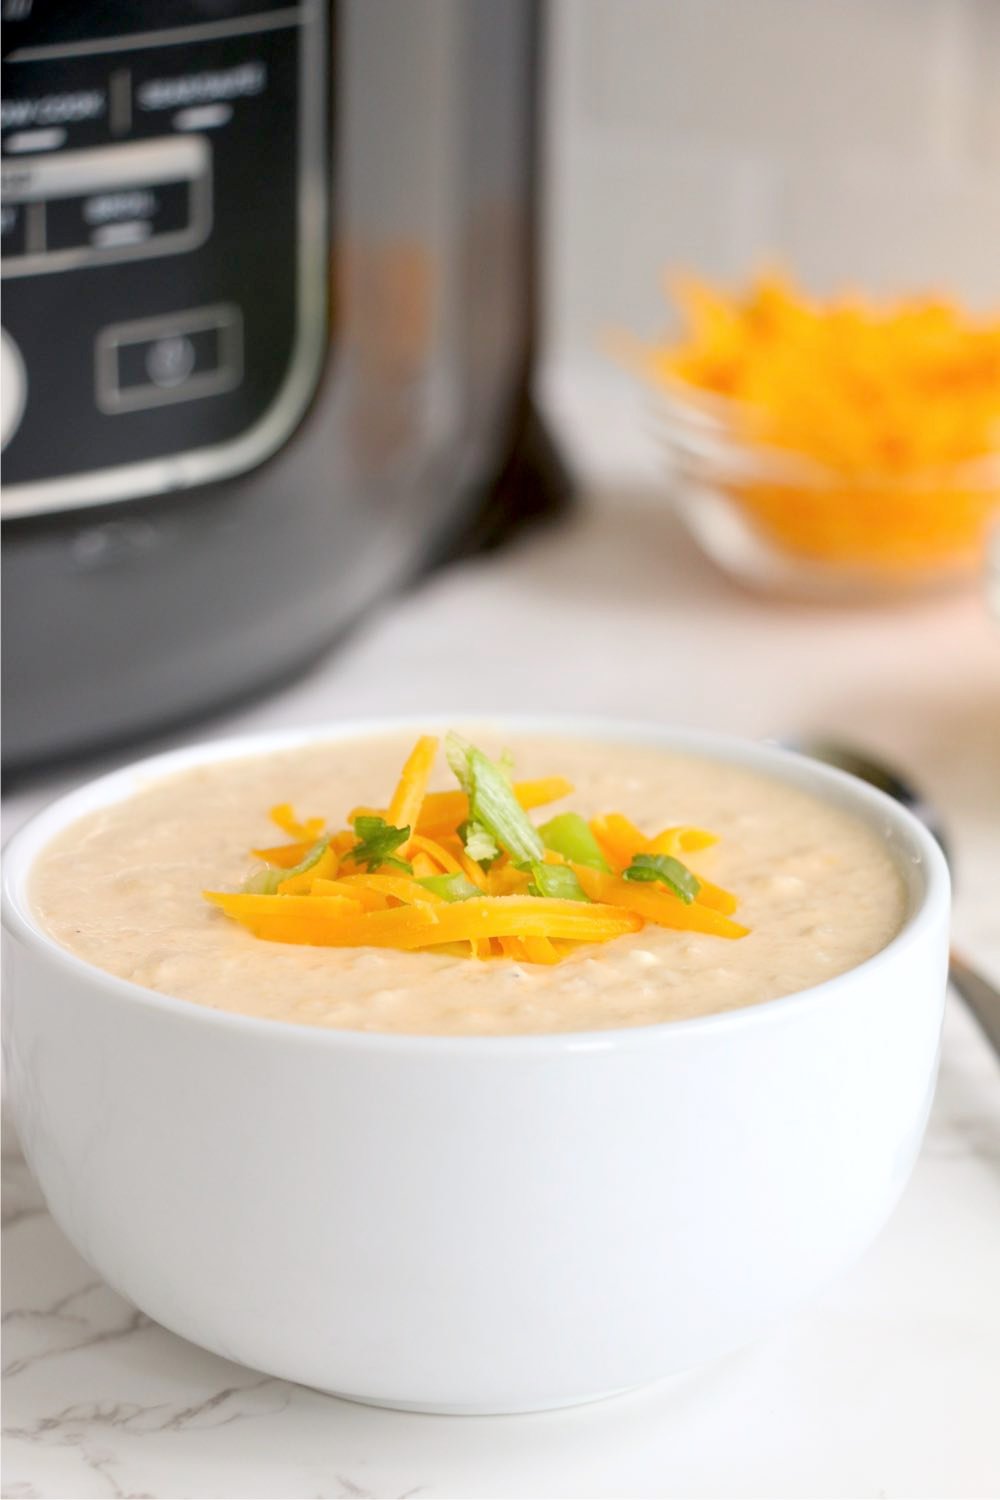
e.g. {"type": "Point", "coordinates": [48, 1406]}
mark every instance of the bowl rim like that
{"type": "Point", "coordinates": [687, 417]}
{"type": "Point", "coordinates": [924, 855]}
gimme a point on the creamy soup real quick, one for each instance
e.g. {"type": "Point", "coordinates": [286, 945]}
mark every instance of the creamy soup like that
{"type": "Point", "coordinates": [122, 889]}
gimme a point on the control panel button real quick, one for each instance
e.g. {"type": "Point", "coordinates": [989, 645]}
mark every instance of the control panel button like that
{"type": "Point", "coordinates": [170, 361]}
{"type": "Point", "coordinates": [120, 216]}
{"type": "Point", "coordinates": [181, 357]}
{"type": "Point", "coordinates": [13, 388]}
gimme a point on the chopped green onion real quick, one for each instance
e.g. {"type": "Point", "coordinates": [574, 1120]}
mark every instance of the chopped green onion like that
{"type": "Point", "coordinates": [556, 880]}
{"type": "Point", "coordinates": [569, 835]}
{"type": "Point", "coordinates": [479, 845]}
{"type": "Point", "coordinates": [492, 803]}
{"type": "Point", "coordinates": [266, 882]}
{"type": "Point", "coordinates": [451, 887]}
{"type": "Point", "coordinates": [669, 871]}
{"type": "Point", "coordinates": [456, 752]}
{"type": "Point", "coordinates": [377, 840]}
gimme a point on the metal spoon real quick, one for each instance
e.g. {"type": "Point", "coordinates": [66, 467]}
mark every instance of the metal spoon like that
{"type": "Point", "coordinates": [982, 998]}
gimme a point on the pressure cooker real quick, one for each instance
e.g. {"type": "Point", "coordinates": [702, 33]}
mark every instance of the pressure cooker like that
{"type": "Point", "coordinates": [268, 328]}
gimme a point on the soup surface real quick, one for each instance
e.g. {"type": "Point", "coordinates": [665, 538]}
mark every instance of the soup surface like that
{"type": "Point", "coordinates": [123, 889]}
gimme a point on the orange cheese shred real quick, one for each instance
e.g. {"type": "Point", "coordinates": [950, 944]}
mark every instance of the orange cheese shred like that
{"type": "Point", "coordinates": [506, 880]}
{"type": "Point", "coordinates": [368, 897]}
{"type": "Point", "coordinates": [540, 950]}
{"type": "Point", "coordinates": [306, 832]}
{"type": "Point", "coordinates": [446, 862]}
{"type": "Point", "coordinates": [324, 869]}
{"type": "Point", "coordinates": [715, 897]}
{"type": "Point", "coordinates": [472, 871]}
{"type": "Point", "coordinates": [677, 841]}
{"type": "Point", "coordinates": [618, 838]}
{"type": "Point", "coordinates": [284, 856]}
{"type": "Point", "coordinates": [656, 904]}
{"type": "Point", "coordinates": [407, 799]}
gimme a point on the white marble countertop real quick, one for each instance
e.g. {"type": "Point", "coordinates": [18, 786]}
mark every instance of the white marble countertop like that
{"type": "Point", "coordinates": [889, 1385]}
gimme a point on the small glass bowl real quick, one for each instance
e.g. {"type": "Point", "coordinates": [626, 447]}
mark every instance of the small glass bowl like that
{"type": "Point", "coordinates": [782, 522]}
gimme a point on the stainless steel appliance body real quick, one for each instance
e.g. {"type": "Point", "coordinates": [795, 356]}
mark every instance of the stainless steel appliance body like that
{"type": "Point", "coordinates": [268, 325]}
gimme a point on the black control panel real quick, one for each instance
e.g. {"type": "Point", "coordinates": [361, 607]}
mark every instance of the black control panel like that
{"type": "Point", "coordinates": [165, 246]}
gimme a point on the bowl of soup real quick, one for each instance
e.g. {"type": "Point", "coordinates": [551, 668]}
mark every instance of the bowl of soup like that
{"type": "Point", "coordinates": [469, 1172]}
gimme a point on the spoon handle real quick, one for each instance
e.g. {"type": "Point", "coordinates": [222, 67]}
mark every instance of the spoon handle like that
{"type": "Point", "coordinates": [982, 998]}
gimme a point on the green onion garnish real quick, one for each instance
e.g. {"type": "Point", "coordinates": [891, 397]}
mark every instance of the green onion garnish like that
{"type": "Point", "coordinates": [477, 843]}
{"type": "Point", "coordinates": [556, 880]}
{"type": "Point", "coordinates": [669, 871]}
{"type": "Point", "coordinates": [452, 887]}
{"type": "Point", "coordinates": [266, 882]}
{"type": "Point", "coordinates": [377, 840]}
{"type": "Point", "coordinates": [569, 835]}
{"type": "Point", "coordinates": [493, 808]}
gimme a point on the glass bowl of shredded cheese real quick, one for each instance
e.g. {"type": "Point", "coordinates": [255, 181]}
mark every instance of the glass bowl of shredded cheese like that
{"type": "Point", "coordinates": [834, 450]}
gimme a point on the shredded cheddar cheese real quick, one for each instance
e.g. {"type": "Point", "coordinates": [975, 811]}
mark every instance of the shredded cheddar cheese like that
{"type": "Point", "coordinates": [386, 883]}
{"type": "Point", "coordinates": [887, 417]}
{"type": "Point", "coordinates": [408, 798]}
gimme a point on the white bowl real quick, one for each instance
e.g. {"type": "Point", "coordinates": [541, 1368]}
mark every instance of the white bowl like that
{"type": "Point", "coordinates": [475, 1224]}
